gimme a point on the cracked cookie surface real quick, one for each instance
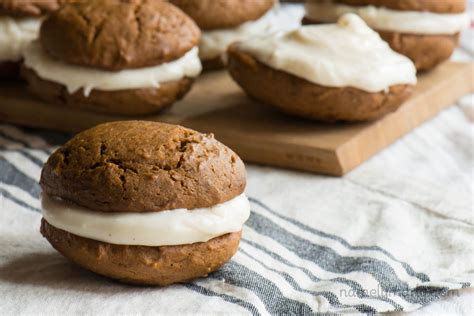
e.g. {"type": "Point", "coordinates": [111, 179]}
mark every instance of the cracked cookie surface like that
{"type": "Point", "coordinates": [138, 166]}
{"type": "Point", "coordinates": [115, 34]}
{"type": "Point", "coordinates": [213, 14]}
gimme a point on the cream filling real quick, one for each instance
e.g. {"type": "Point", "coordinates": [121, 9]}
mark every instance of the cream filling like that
{"type": "Point", "coordinates": [75, 77]}
{"type": "Point", "coordinates": [346, 54]}
{"type": "Point", "coordinates": [383, 19]}
{"type": "Point", "coordinates": [15, 35]}
{"type": "Point", "coordinates": [215, 43]}
{"type": "Point", "coordinates": [173, 227]}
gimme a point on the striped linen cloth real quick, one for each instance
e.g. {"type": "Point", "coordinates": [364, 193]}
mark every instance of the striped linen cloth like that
{"type": "Point", "coordinates": [394, 235]}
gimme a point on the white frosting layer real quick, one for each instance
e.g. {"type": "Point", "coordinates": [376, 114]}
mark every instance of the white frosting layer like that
{"type": "Point", "coordinates": [383, 19]}
{"type": "Point", "coordinates": [348, 53]}
{"type": "Point", "coordinates": [15, 35]}
{"type": "Point", "coordinates": [75, 77]}
{"type": "Point", "coordinates": [174, 227]}
{"type": "Point", "coordinates": [215, 43]}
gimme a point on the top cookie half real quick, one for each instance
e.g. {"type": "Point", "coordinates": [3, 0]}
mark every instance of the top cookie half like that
{"type": "Point", "coordinates": [219, 14]}
{"type": "Point", "coordinates": [119, 34]}
{"type": "Point", "coordinates": [137, 166]}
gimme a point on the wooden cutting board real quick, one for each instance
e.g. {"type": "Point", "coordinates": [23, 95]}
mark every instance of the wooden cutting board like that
{"type": "Point", "coordinates": [260, 134]}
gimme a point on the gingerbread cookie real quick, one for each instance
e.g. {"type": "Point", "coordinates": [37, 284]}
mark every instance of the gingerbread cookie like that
{"type": "Point", "coordinates": [334, 72]}
{"type": "Point", "coordinates": [144, 202]}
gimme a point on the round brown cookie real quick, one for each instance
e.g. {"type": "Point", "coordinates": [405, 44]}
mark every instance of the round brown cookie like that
{"type": "Point", "coordinates": [212, 14]}
{"type": "Point", "coordinates": [123, 102]}
{"type": "Point", "coordinates": [9, 70]}
{"type": "Point", "coordinates": [141, 264]}
{"type": "Point", "coordinates": [115, 34]}
{"type": "Point", "coordinates": [426, 51]}
{"type": "Point", "coordinates": [438, 6]}
{"type": "Point", "coordinates": [138, 166]}
{"type": "Point", "coordinates": [300, 97]}
{"type": "Point", "coordinates": [25, 8]}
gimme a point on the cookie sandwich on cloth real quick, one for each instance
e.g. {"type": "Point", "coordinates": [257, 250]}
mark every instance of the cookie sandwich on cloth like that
{"type": "Point", "coordinates": [20, 22]}
{"type": "Point", "coordinates": [144, 202]}
{"type": "Point", "coordinates": [122, 57]}
{"type": "Point", "coordinates": [427, 31]}
{"type": "Point", "coordinates": [224, 22]}
{"type": "Point", "coordinates": [330, 72]}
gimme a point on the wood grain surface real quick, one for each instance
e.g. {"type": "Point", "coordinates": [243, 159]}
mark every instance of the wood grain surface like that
{"type": "Point", "coordinates": [260, 134]}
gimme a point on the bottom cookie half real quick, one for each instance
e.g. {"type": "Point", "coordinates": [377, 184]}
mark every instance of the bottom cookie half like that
{"type": "Point", "coordinates": [124, 102]}
{"type": "Point", "coordinates": [142, 264]}
{"type": "Point", "coordinates": [300, 97]}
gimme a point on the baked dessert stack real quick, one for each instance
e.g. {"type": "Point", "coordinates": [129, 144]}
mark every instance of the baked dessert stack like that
{"type": "Point", "coordinates": [427, 31]}
{"type": "Point", "coordinates": [19, 25]}
{"type": "Point", "coordinates": [224, 22]}
{"type": "Point", "coordinates": [330, 72]}
{"type": "Point", "coordinates": [144, 202]}
{"type": "Point", "coordinates": [121, 57]}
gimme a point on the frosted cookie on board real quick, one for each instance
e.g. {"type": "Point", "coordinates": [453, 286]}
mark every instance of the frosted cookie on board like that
{"type": "Point", "coordinates": [224, 22]}
{"type": "Point", "coordinates": [427, 31]}
{"type": "Point", "coordinates": [144, 202]}
{"type": "Point", "coordinates": [331, 72]}
{"type": "Point", "coordinates": [19, 25]}
{"type": "Point", "coordinates": [128, 57]}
